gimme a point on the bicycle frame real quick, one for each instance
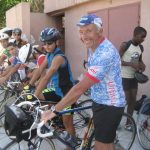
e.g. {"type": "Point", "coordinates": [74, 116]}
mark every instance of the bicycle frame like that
{"type": "Point", "coordinates": [87, 134]}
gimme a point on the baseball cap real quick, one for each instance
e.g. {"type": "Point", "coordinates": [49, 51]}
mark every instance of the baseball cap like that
{"type": "Point", "coordinates": [90, 19]}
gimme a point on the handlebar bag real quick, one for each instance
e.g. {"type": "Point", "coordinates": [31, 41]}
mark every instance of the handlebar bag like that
{"type": "Point", "coordinates": [17, 122]}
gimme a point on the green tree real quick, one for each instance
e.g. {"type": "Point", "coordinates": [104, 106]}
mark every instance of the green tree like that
{"type": "Point", "coordinates": [36, 6]}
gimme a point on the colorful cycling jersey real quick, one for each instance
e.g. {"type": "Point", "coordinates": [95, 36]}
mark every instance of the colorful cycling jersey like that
{"type": "Point", "coordinates": [62, 80]}
{"type": "Point", "coordinates": [104, 67]}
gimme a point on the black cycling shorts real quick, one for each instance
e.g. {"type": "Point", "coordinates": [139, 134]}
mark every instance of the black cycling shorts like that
{"type": "Point", "coordinates": [129, 83]}
{"type": "Point", "coordinates": [106, 120]}
{"type": "Point", "coordinates": [52, 97]}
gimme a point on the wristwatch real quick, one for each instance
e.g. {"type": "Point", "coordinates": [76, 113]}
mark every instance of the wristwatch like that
{"type": "Point", "coordinates": [53, 109]}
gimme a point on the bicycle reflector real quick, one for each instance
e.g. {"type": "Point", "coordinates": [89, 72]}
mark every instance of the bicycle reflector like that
{"type": "Point", "coordinates": [140, 77]}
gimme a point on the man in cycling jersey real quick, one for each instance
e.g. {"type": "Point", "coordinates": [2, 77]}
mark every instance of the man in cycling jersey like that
{"type": "Point", "coordinates": [58, 73]}
{"type": "Point", "coordinates": [104, 78]}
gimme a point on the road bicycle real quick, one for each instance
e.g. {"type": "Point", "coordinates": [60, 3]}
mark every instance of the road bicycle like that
{"type": "Point", "coordinates": [124, 139]}
{"type": "Point", "coordinates": [80, 121]}
{"type": "Point", "coordinates": [143, 124]}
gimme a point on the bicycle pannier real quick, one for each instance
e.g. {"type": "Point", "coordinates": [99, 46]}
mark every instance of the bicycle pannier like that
{"type": "Point", "coordinates": [17, 123]}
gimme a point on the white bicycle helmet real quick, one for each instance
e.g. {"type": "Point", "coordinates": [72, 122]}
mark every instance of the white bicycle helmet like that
{"type": "Point", "coordinates": [7, 31]}
{"type": "Point", "coordinates": [25, 53]}
{"type": "Point", "coordinates": [3, 36]}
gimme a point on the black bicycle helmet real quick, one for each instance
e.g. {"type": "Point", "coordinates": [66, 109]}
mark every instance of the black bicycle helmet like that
{"type": "Point", "coordinates": [50, 34]}
{"type": "Point", "coordinates": [17, 31]}
{"type": "Point", "coordinates": [140, 77]}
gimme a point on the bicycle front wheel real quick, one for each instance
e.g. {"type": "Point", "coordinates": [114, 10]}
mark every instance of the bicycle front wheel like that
{"type": "Point", "coordinates": [143, 126]}
{"type": "Point", "coordinates": [38, 144]}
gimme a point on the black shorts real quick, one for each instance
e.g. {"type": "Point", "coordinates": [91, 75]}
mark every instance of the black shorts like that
{"type": "Point", "coordinates": [129, 83]}
{"type": "Point", "coordinates": [53, 98]}
{"type": "Point", "coordinates": [106, 120]}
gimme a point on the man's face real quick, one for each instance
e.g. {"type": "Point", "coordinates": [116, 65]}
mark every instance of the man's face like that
{"type": "Point", "coordinates": [140, 37]}
{"type": "Point", "coordinates": [49, 46]}
{"type": "Point", "coordinates": [4, 43]}
{"type": "Point", "coordinates": [17, 36]}
{"type": "Point", "coordinates": [90, 35]}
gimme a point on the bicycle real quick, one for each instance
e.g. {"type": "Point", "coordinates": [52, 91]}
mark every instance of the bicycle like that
{"type": "Point", "coordinates": [87, 142]}
{"type": "Point", "coordinates": [80, 121]}
{"type": "Point", "coordinates": [143, 124]}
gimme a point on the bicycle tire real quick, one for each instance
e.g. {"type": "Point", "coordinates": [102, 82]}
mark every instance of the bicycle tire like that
{"type": "Point", "coordinates": [124, 139]}
{"type": "Point", "coordinates": [44, 144]}
{"type": "Point", "coordinates": [143, 126]}
{"type": "Point", "coordinates": [81, 118]}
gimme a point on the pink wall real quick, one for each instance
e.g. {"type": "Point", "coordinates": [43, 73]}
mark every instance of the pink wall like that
{"type": "Point", "coordinates": [145, 22]}
{"type": "Point", "coordinates": [38, 22]}
{"type": "Point", "coordinates": [30, 23]}
{"type": "Point", "coordinates": [76, 52]}
{"type": "Point", "coordinates": [19, 16]}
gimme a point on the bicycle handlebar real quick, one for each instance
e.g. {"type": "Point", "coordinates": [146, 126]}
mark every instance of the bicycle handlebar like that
{"type": "Point", "coordinates": [43, 135]}
{"type": "Point", "coordinates": [41, 125]}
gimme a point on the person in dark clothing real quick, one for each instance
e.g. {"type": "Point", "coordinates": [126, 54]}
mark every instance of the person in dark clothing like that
{"type": "Point", "coordinates": [131, 54]}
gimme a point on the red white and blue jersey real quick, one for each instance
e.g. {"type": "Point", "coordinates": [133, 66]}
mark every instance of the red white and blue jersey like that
{"type": "Point", "coordinates": [104, 67]}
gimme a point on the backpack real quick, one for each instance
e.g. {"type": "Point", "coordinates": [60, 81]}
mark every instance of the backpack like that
{"type": "Point", "coordinates": [17, 122]}
{"type": "Point", "coordinates": [128, 43]}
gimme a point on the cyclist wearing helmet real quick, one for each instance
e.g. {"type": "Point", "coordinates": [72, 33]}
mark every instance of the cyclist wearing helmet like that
{"type": "Point", "coordinates": [58, 72]}
{"type": "Point", "coordinates": [4, 53]}
{"type": "Point", "coordinates": [27, 57]}
{"type": "Point", "coordinates": [7, 30]}
{"type": "Point", "coordinates": [17, 36]}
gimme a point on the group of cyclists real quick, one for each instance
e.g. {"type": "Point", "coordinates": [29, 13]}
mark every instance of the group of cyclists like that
{"type": "Point", "coordinates": [49, 70]}
{"type": "Point", "coordinates": [53, 80]}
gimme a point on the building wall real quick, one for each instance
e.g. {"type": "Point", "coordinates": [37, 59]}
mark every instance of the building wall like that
{"type": "Point", "coordinates": [38, 22]}
{"type": "Point", "coordinates": [19, 16]}
{"type": "Point", "coordinates": [145, 22]}
{"type": "Point", "coordinates": [30, 23]}
{"type": "Point", "coordinates": [61, 4]}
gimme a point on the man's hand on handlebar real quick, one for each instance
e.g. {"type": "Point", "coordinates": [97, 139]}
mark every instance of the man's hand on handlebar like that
{"type": "Point", "coordinates": [47, 115]}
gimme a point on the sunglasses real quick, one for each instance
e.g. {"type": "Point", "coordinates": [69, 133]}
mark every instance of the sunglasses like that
{"type": "Point", "coordinates": [17, 34]}
{"type": "Point", "coordinates": [48, 43]}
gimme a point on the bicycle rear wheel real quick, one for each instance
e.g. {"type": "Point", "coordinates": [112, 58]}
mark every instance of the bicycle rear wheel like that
{"type": "Point", "coordinates": [125, 138]}
{"type": "Point", "coordinates": [38, 144]}
{"type": "Point", "coordinates": [143, 126]}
